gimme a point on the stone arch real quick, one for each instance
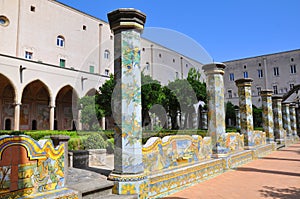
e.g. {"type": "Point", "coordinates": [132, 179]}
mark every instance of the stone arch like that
{"type": "Point", "coordinates": [91, 92]}
{"type": "Point", "coordinates": [8, 97]}
{"type": "Point", "coordinates": [36, 97]}
{"type": "Point", "coordinates": [66, 107]}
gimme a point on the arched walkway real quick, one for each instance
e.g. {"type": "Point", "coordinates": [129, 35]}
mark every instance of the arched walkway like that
{"type": "Point", "coordinates": [91, 92]}
{"type": "Point", "coordinates": [7, 101]}
{"type": "Point", "coordinates": [35, 112]}
{"type": "Point", "coordinates": [66, 108]}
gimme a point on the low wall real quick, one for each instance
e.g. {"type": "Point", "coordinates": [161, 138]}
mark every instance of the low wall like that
{"type": "Point", "coordinates": [175, 151]}
{"type": "Point", "coordinates": [32, 169]}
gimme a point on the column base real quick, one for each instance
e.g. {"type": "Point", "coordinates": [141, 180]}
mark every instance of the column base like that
{"type": "Point", "coordinates": [270, 140]}
{"type": "Point", "coordinates": [130, 184]}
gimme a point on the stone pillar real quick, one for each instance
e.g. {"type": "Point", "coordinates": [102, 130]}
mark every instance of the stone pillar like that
{"type": "Point", "coordinates": [58, 140]}
{"type": "Point", "coordinates": [128, 174]}
{"type": "Point", "coordinates": [17, 117]}
{"type": "Point", "coordinates": [245, 104]}
{"type": "Point", "coordinates": [267, 114]}
{"type": "Point", "coordinates": [286, 118]}
{"type": "Point", "coordinates": [204, 119]}
{"type": "Point", "coordinates": [169, 122]}
{"type": "Point", "coordinates": [277, 117]}
{"type": "Point", "coordinates": [51, 117]}
{"type": "Point", "coordinates": [216, 110]}
{"type": "Point", "coordinates": [103, 123]}
{"type": "Point", "coordinates": [79, 123]}
{"type": "Point", "coordinates": [237, 118]}
{"type": "Point", "coordinates": [293, 120]}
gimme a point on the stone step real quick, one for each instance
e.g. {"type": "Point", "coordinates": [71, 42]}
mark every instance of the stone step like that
{"type": "Point", "coordinates": [113, 196]}
{"type": "Point", "coordinates": [89, 184]}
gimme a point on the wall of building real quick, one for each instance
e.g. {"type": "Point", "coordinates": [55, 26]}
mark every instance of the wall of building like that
{"type": "Point", "coordinates": [283, 80]}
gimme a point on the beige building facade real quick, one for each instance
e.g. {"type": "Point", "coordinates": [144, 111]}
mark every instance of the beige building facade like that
{"type": "Point", "coordinates": [278, 72]}
{"type": "Point", "coordinates": [51, 55]}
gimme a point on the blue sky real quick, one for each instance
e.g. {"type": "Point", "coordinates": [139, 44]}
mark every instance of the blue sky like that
{"type": "Point", "coordinates": [226, 29]}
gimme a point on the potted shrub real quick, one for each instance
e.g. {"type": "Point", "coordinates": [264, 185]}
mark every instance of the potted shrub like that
{"type": "Point", "coordinates": [96, 146]}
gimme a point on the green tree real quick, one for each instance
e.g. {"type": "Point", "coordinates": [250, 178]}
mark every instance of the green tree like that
{"type": "Point", "coordinates": [230, 113]}
{"type": "Point", "coordinates": [91, 112]}
{"type": "Point", "coordinates": [152, 93]}
{"type": "Point", "coordinates": [103, 99]}
{"type": "Point", "coordinates": [257, 116]}
{"type": "Point", "coordinates": [198, 86]}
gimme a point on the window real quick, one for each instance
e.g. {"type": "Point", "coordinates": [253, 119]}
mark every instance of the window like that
{"type": "Point", "coordinates": [28, 55]}
{"type": "Point", "coordinates": [60, 41]}
{"type": "Point", "coordinates": [292, 59]}
{"type": "Point", "coordinates": [147, 66]}
{"type": "Point", "coordinates": [4, 21]}
{"type": "Point", "coordinates": [173, 60]}
{"type": "Point", "coordinates": [62, 63]}
{"type": "Point", "coordinates": [245, 74]}
{"type": "Point", "coordinates": [275, 90]}
{"type": "Point", "coordinates": [186, 65]}
{"type": "Point", "coordinates": [229, 94]}
{"type": "Point", "coordinates": [293, 69]}
{"type": "Point", "coordinates": [176, 75]}
{"type": "Point", "coordinates": [259, 64]}
{"type": "Point", "coordinates": [231, 76]}
{"type": "Point", "coordinates": [291, 86]}
{"type": "Point", "coordinates": [159, 55]}
{"type": "Point", "coordinates": [106, 72]}
{"type": "Point", "coordinates": [92, 69]}
{"type": "Point", "coordinates": [260, 73]}
{"type": "Point", "coordinates": [245, 66]}
{"type": "Point", "coordinates": [106, 54]}
{"type": "Point", "coordinates": [84, 27]}
{"type": "Point", "coordinates": [258, 91]}
{"type": "Point", "coordinates": [276, 71]}
{"type": "Point", "coordinates": [32, 8]}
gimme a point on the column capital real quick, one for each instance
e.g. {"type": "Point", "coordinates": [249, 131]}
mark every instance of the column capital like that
{"type": "Point", "coordinates": [292, 105]}
{"type": "Point", "coordinates": [244, 82]}
{"type": "Point", "coordinates": [17, 104]}
{"type": "Point", "coordinates": [214, 68]}
{"type": "Point", "coordinates": [126, 18]}
{"type": "Point", "coordinates": [286, 104]}
{"type": "Point", "coordinates": [266, 93]}
{"type": "Point", "coordinates": [277, 97]}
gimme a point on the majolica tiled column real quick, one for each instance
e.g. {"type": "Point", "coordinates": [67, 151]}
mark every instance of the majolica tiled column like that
{"type": "Point", "coordinates": [237, 118]}
{"type": "Point", "coordinates": [128, 173]}
{"type": "Point", "coordinates": [267, 114]}
{"type": "Point", "coordinates": [216, 110]}
{"type": "Point", "coordinates": [245, 104]}
{"type": "Point", "coordinates": [286, 118]}
{"type": "Point", "coordinates": [293, 120]}
{"type": "Point", "coordinates": [277, 116]}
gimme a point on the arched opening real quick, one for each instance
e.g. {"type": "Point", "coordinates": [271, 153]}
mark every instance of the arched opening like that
{"type": "Point", "coordinates": [91, 92]}
{"type": "Point", "coordinates": [8, 124]}
{"type": "Point", "coordinates": [66, 108]}
{"type": "Point", "coordinates": [55, 124]}
{"type": "Point", "coordinates": [35, 106]}
{"type": "Point", "coordinates": [34, 125]}
{"type": "Point", "coordinates": [74, 125]}
{"type": "Point", "coordinates": [7, 100]}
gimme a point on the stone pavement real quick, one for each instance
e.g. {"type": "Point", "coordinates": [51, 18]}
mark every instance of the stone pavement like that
{"type": "Point", "coordinates": [274, 176]}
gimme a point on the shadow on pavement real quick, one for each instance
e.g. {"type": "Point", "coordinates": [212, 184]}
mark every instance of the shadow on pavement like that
{"type": "Point", "coordinates": [245, 169]}
{"type": "Point", "coordinates": [283, 193]}
{"type": "Point", "coordinates": [285, 159]}
{"type": "Point", "coordinates": [104, 172]}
